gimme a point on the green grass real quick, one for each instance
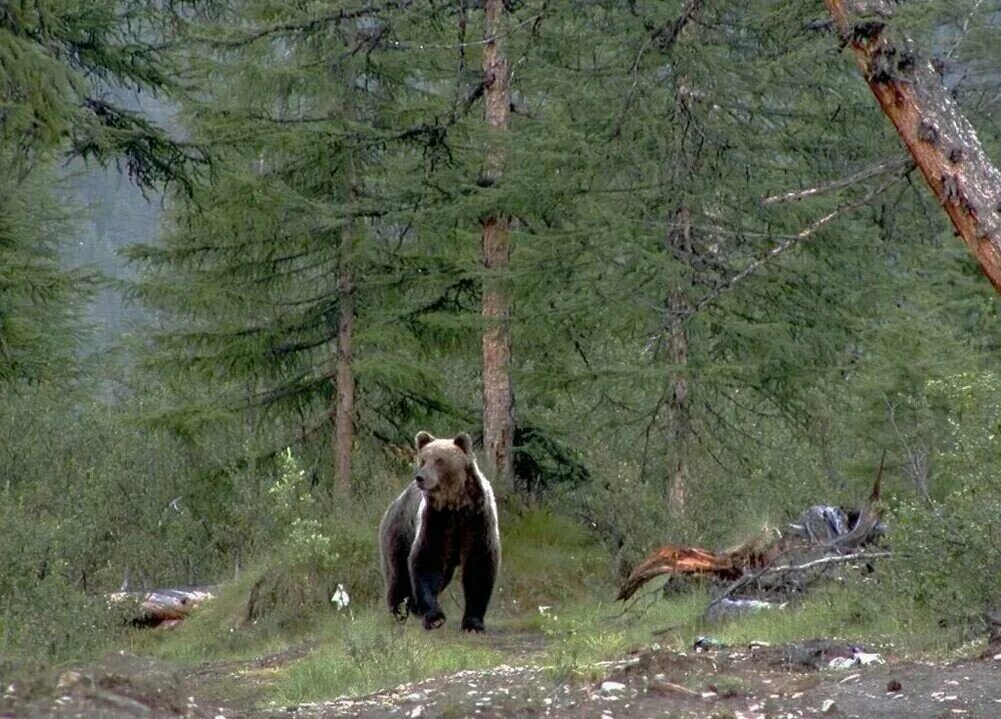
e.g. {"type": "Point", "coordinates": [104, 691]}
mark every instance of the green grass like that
{"type": "Point", "coordinates": [364, 653]}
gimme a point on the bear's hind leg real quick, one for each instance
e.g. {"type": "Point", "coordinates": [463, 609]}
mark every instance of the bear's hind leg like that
{"type": "Point", "coordinates": [400, 600]}
{"type": "Point", "coordinates": [399, 594]}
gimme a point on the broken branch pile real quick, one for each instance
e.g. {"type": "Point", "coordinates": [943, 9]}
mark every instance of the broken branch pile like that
{"type": "Point", "coordinates": [823, 536]}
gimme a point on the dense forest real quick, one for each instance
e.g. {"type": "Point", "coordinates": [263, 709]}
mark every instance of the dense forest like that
{"type": "Point", "coordinates": [670, 264]}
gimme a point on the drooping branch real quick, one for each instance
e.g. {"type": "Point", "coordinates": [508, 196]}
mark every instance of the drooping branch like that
{"type": "Point", "coordinates": [941, 140]}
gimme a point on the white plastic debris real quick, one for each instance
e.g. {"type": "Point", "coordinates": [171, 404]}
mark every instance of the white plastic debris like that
{"type": "Point", "coordinates": [865, 658]}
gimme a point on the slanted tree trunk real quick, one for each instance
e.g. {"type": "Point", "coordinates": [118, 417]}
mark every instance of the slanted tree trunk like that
{"type": "Point", "coordinates": [344, 407]}
{"type": "Point", "coordinates": [678, 242]}
{"type": "Point", "coordinates": [498, 397]}
{"type": "Point", "coordinates": [942, 142]}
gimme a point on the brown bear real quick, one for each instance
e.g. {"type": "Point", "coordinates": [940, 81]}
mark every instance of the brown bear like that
{"type": "Point", "coordinates": [445, 518]}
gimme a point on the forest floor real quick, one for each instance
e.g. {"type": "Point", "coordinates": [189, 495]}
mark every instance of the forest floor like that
{"type": "Point", "coordinates": [739, 683]}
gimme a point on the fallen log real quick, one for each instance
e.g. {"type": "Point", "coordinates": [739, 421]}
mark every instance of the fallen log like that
{"type": "Point", "coordinates": [159, 606]}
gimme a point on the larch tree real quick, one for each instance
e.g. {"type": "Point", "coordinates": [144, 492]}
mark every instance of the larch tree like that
{"type": "Point", "coordinates": [297, 287]}
{"type": "Point", "coordinates": [943, 143]}
{"type": "Point", "coordinates": [498, 395]}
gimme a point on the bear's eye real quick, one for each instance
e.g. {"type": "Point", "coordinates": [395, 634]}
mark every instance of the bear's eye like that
{"type": "Point", "coordinates": [439, 461]}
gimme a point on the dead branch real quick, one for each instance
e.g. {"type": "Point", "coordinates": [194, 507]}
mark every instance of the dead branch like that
{"type": "Point", "coordinates": [768, 571]}
{"type": "Point", "coordinates": [805, 234]}
{"type": "Point", "coordinates": [880, 168]}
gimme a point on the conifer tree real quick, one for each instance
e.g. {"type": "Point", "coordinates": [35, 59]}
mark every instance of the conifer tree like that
{"type": "Point", "coordinates": [59, 60]}
{"type": "Point", "coordinates": [498, 397]}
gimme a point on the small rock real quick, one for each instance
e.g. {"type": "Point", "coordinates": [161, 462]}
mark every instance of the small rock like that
{"type": "Point", "coordinates": [416, 712]}
{"type": "Point", "coordinates": [415, 697]}
{"type": "Point", "coordinates": [610, 687]}
{"type": "Point", "coordinates": [893, 686]}
{"type": "Point", "coordinates": [705, 644]}
{"type": "Point", "coordinates": [68, 679]}
{"type": "Point", "coordinates": [841, 663]}
{"type": "Point", "coordinates": [829, 707]}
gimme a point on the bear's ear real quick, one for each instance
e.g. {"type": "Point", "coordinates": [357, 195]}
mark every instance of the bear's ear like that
{"type": "Point", "coordinates": [423, 439]}
{"type": "Point", "coordinates": [463, 442]}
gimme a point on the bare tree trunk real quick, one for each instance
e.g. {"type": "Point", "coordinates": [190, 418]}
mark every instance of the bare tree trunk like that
{"type": "Point", "coordinates": [678, 241]}
{"type": "Point", "coordinates": [345, 385]}
{"type": "Point", "coordinates": [943, 143]}
{"type": "Point", "coordinates": [498, 397]}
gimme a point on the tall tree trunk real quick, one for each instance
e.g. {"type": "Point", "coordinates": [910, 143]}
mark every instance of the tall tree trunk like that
{"type": "Point", "coordinates": [943, 143]}
{"type": "Point", "coordinates": [678, 242]}
{"type": "Point", "coordinates": [344, 409]}
{"type": "Point", "coordinates": [498, 397]}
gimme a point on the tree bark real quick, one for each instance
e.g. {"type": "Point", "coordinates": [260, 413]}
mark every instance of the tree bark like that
{"type": "Point", "coordinates": [943, 143]}
{"type": "Point", "coordinates": [498, 397]}
{"type": "Point", "coordinates": [344, 408]}
{"type": "Point", "coordinates": [678, 241]}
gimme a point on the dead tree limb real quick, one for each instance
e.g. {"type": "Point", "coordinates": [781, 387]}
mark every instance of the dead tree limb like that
{"type": "Point", "coordinates": [161, 605]}
{"type": "Point", "coordinates": [943, 143]}
{"type": "Point", "coordinates": [770, 570]}
{"type": "Point", "coordinates": [880, 168]}
{"type": "Point", "coordinates": [792, 240]}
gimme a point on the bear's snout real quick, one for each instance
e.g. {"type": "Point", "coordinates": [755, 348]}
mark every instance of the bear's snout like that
{"type": "Point", "coordinates": [419, 479]}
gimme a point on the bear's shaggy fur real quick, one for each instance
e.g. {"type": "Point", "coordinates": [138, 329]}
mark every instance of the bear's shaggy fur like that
{"type": "Point", "coordinates": [445, 518]}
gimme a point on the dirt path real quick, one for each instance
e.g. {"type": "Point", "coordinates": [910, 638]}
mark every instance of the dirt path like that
{"type": "Point", "coordinates": [725, 684]}
{"type": "Point", "coordinates": [764, 683]}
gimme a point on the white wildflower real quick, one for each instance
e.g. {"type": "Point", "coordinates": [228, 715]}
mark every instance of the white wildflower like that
{"type": "Point", "coordinates": [340, 598]}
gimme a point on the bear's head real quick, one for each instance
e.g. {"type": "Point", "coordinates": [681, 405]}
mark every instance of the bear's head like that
{"type": "Point", "coordinates": [446, 470]}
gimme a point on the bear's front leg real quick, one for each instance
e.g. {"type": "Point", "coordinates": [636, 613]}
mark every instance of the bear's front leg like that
{"type": "Point", "coordinates": [479, 572]}
{"type": "Point", "coordinates": [427, 572]}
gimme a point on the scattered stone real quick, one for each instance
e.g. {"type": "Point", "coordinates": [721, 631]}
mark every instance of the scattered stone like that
{"type": "Point", "coordinates": [416, 712]}
{"type": "Point", "coordinates": [69, 679]}
{"type": "Point", "coordinates": [841, 663]}
{"type": "Point", "coordinates": [893, 686]}
{"type": "Point", "coordinates": [705, 644]}
{"type": "Point", "coordinates": [829, 707]}
{"type": "Point", "coordinates": [610, 687]}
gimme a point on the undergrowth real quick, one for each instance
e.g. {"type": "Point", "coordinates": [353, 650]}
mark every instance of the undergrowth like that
{"type": "Point", "coordinates": [553, 608]}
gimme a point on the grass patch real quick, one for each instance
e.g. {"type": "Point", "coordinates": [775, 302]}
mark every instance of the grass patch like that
{"type": "Point", "coordinates": [361, 654]}
{"type": "Point", "coordinates": [549, 559]}
{"type": "Point", "coordinates": [855, 612]}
